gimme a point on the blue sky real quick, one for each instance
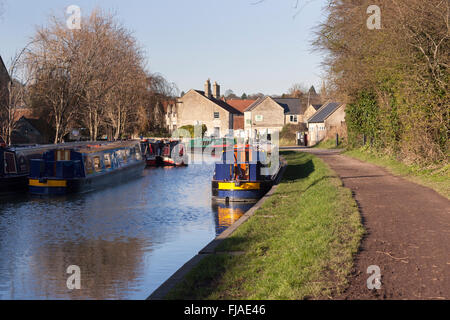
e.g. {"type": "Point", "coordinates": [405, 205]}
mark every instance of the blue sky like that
{"type": "Point", "coordinates": [243, 46]}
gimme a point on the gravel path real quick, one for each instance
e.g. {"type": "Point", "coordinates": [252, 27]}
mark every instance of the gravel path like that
{"type": "Point", "coordinates": [408, 233]}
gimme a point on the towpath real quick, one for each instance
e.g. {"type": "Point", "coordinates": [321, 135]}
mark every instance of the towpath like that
{"type": "Point", "coordinates": [408, 233]}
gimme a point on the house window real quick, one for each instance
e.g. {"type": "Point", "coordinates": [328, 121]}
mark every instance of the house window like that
{"type": "Point", "coordinates": [216, 115]}
{"type": "Point", "coordinates": [294, 118]}
{"type": "Point", "coordinates": [248, 121]}
{"type": "Point", "coordinates": [259, 118]}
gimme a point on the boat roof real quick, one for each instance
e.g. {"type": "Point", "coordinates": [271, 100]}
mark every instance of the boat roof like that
{"type": "Point", "coordinates": [94, 148]}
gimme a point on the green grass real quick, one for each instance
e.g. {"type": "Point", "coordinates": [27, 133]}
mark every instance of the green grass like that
{"type": "Point", "coordinates": [299, 245]}
{"type": "Point", "coordinates": [330, 144]}
{"type": "Point", "coordinates": [436, 178]}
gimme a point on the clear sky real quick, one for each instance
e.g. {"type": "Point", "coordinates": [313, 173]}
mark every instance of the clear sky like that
{"type": "Point", "coordinates": [245, 47]}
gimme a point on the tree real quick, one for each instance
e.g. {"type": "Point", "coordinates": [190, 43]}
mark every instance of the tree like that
{"type": "Point", "coordinates": [229, 94]}
{"type": "Point", "coordinates": [92, 77]}
{"type": "Point", "coordinates": [244, 96]}
{"type": "Point", "coordinates": [297, 91]}
{"type": "Point", "coordinates": [400, 74]}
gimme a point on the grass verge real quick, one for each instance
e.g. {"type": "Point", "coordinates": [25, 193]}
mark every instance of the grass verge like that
{"type": "Point", "coordinates": [437, 179]}
{"type": "Point", "coordinates": [299, 245]}
{"type": "Point", "coordinates": [330, 144]}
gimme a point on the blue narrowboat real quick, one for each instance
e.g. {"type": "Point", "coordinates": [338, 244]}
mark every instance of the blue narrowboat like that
{"type": "Point", "coordinates": [239, 176]}
{"type": "Point", "coordinates": [85, 168]}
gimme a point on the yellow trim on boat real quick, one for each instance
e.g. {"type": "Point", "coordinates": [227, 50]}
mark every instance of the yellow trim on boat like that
{"type": "Point", "coordinates": [244, 186]}
{"type": "Point", "coordinates": [49, 183]}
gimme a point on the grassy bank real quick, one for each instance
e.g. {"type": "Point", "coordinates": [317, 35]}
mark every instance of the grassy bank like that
{"type": "Point", "coordinates": [437, 178]}
{"type": "Point", "coordinates": [299, 245]}
{"type": "Point", "coordinates": [330, 144]}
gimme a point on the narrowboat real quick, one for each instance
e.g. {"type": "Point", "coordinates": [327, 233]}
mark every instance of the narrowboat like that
{"type": "Point", "coordinates": [174, 154]}
{"type": "Point", "coordinates": [15, 166]}
{"type": "Point", "coordinates": [164, 153]}
{"type": "Point", "coordinates": [239, 176]}
{"type": "Point", "coordinates": [150, 151]}
{"type": "Point", "coordinates": [85, 168]}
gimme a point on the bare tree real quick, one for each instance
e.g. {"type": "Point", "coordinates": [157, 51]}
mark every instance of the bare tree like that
{"type": "Point", "coordinates": [13, 96]}
{"type": "Point", "coordinates": [297, 90]}
{"type": "Point", "coordinates": [93, 76]}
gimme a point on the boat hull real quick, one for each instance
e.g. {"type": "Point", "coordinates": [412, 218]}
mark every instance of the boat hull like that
{"type": "Point", "coordinates": [83, 185]}
{"type": "Point", "coordinates": [13, 184]}
{"type": "Point", "coordinates": [240, 191]}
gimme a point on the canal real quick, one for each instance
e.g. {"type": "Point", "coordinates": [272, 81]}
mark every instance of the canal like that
{"type": "Point", "coordinates": [127, 240]}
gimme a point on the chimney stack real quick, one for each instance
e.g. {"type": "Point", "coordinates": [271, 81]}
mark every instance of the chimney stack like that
{"type": "Point", "coordinates": [208, 89]}
{"type": "Point", "coordinates": [216, 90]}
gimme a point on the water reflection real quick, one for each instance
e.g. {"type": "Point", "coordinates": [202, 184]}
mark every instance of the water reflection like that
{"type": "Point", "coordinates": [226, 214]}
{"type": "Point", "coordinates": [127, 240]}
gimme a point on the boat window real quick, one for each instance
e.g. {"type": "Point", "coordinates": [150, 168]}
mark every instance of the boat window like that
{"type": "Point", "coordinates": [124, 155]}
{"type": "Point", "coordinates": [97, 164]}
{"type": "Point", "coordinates": [107, 160]}
{"type": "Point", "coordinates": [138, 156]}
{"type": "Point", "coordinates": [88, 165]}
{"type": "Point", "coordinates": [132, 154]}
{"type": "Point", "coordinates": [10, 162]}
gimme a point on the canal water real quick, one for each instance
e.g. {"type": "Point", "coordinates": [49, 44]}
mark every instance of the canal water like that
{"type": "Point", "coordinates": [127, 240]}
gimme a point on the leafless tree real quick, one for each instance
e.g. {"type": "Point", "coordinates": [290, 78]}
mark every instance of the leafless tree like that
{"type": "Point", "coordinates": [14, 95]}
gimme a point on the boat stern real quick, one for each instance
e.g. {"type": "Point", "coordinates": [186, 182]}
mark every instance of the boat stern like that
{"type": "Point", "coordinates": [47, 187]}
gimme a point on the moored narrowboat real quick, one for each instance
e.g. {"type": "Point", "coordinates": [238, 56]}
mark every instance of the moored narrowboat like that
{"type": "Point", "coordinates": [164, 153]}
{"type": "Point", "coordinates": [85, 168]}
{"type": "Point", "coordinates": [239, 176]}
{"type": "Point", "coordinates": [15, 166]}
{"type": "Point", "coordinates": [174, 154]}
{"type": "Point", "coordinates": [150, 150]}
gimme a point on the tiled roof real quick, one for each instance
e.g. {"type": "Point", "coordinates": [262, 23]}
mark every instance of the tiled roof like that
{"type": "Point", "coordinates": [290, 105]}
{"type": "Point", "coordinates": [256, 103]}
{"type": "Point", "coordinates": [240, 105]}
{"type": "Point", "coordinates": [220, 103]}
{"type": "Point", "coordinates": [324, 112]}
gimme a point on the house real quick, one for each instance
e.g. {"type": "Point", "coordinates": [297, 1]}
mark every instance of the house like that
{"type": "Point", "coordinates": [268, 115]}
{"type": "Point", "coordinates": [239, 121]}
{"type": "Point", "coordinates": [29, 131]}
{"type": "Point", "coordinates": [328, 121]}
{"type": "Point", "coordinates": [311, 110]}
{"type": "Point", "coordinates": [171, 114]}
{"type": "Point", "coordinates": [206, 108]}
{"type": "Point", "coordinates": [4, 81]}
